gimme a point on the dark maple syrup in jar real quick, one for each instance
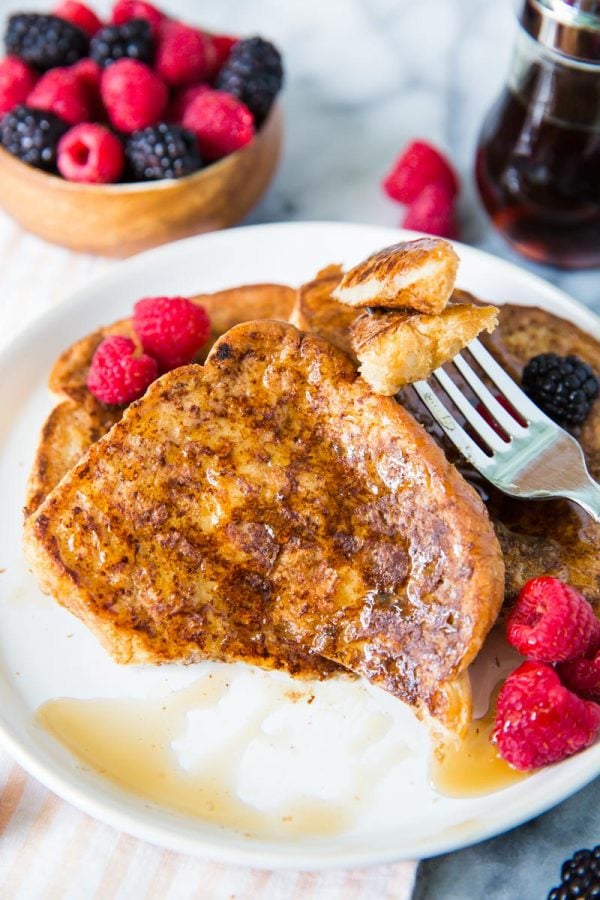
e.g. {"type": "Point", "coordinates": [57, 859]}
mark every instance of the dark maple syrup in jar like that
{"type": "Point", "coordinates": [538, 159]}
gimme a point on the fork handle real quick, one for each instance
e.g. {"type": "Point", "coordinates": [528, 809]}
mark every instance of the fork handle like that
{"type": "Point", "coordinates": [588, 497]}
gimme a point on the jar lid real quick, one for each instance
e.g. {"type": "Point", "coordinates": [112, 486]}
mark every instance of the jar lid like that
{"type": "Point", "coordinates": [569, 27]}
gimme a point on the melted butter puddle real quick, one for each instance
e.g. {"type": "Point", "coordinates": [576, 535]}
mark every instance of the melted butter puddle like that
{"type": "Point", "coordinates": [129, 742]}
{"type": "Point", "coordinates": [473, 767]}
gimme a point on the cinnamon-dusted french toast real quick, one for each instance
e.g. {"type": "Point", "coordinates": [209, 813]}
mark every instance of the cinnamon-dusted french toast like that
{"type": "Point", "coordinates": [268, 507]}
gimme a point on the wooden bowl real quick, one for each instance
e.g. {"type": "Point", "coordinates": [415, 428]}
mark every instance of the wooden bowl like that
{"type": "Point", "coordinates": [121, 219]}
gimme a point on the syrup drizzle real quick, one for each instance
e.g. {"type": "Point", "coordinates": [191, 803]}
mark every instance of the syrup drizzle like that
{"type": "Point", "coordinates": [137, 744]}
{"type": "Point", "coordinates": [473, 767]}
{"type": "Point", "coordinates": [130, 742]}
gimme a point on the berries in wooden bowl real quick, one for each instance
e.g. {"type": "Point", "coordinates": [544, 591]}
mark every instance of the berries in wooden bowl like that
{"type": "Point", "coordinates": [118, 136]}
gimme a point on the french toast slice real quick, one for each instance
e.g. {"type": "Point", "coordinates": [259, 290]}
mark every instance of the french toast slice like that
{"type": "Point", "coordinates": [80, 419]}
{"type": "Point", "coordinates": [550, 537]}
{"type": "Point", "coordinates": [398, 347]}
{"type": "Point", "coordinates": [266, 506]}
{"type": "Point", "coordinates": [316, 311]}
{"type": "Point", "coordinates": [411, 274]}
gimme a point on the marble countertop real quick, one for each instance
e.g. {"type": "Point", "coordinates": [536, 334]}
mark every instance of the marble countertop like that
{"type": "Point", "coordinates": [364, 78]}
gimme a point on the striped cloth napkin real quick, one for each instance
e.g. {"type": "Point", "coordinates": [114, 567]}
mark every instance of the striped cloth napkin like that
{"type": "Point", "coordinates": [48, 849]}
{"type": "Point", "coordinates": [51, 851]}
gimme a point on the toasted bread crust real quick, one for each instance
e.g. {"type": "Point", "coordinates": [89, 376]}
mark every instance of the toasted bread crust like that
{"type": "Point", "coordinates": [269, 507]}
{"type": "Point", "coordinates": [398, 347]}
{"type": "Point", "coordinates": [317, 312]}
{"type": "Point", "coordinates": [411, 274]}
{"type": "Point", "coordinates": [75, 424]}
{"type": "Point", "coordinates": [225, 309]}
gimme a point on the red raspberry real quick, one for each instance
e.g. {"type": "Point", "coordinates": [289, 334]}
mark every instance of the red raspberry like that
{"type": "Point", "coordinates": [88, 71]}
{"type": "Point", "coordinates": [223, 44]}
{"type": "Point", "coordinates": [90, 74]}
{"type": "Point", "coordinates": [90, 153]}
{"type": "Point", "coordinates": [171, 329]}
{"type": "Point", "coordinates": [183, 54]}
{"type": "Point", "coordinates": [63, 93]}
{"type": "Point", "coordinates": [552, 622]}
{"type": "Point", "coordinates": [433, 212]}
{"type": "Point", "coordinates": [181, 99]}
{"type": "Point", "coordinates": [117, 376]}
{"type": "Point", "coordinates": [133, 95]}
{"type": "Point", "coordinates": [582, 676]}
{"type": "Point", "coordinates": [221, 123]}
{"type": "Point", "coordinates": [79, 14]}
{"type": "Point", "coordinates": [17, 81]}
{"type": "Point", "coordinates": [416, 168]}
{"type": "Point", "coordinates": [124, 10]}
{"type": "Point", "coordinates": [538, 721]}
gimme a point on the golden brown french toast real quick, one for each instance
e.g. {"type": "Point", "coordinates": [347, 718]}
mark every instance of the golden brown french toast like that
{"type": "Point", "coordinates": [553, 536]}
{"type": "Point", "coordinates": [268, 507]}
{"type": "Point", "coordinates": [81, 419]}
{"type": "Point", "coordinates": [396, 347]}
{"type": "Point", "coordinates": [411, 274]}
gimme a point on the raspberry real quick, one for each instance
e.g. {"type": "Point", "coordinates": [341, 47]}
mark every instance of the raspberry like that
{"type": "Point", "coordinates": [88, 71]}
{"type": "Point", "coordinates": [564, 387]}
{"type": "Point", "coordinates": [162, 151]}
{"type": "Point", "coordinates": [433, 212]}
{"type": "Point", "coordinates": [91, 153]}
{"type": "Point", "coordinates": [181, 99]}
{"type": "Point", "coordinates": [552, 622]}
{"type": "Point", "coordinates": [124, 10]}
{"type": "Point", "coordinates": [133, 95]}
{"type": "Point", "coordinates": [17, 80]}
{"type": "Point", "coordinates": [80, 15]}
{"type": "Point", "coordinates": [32, 135]}
{"type": "Point", "coordinates": [62, 92]}
{"type": "Point", "coordinates": [172, 329]}
{"type": "Point", "coordinates": [538, 721]}
{"type": "Point", "coordinates": [44, 41]}
{"type": "Point", "coordinates": [132, 40]}
{"type": "Point", "coordinates": [117, 376]}
{"type": "Point", "coordinates": [582, 676]}
{"type": "Point", "coordinates": [223, 44]}
{"type": "Point", "coordinates": [221, 123]}
{"type": "Point", "coordinates": [183, 54]}
{"type": "Point", "coordinates": [418, 166]}
{"type": "Point", "coordinates": [254, 74]}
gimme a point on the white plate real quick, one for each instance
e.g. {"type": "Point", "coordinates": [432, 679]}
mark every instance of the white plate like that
{"type": "Point", "coordinates": [354, 751]}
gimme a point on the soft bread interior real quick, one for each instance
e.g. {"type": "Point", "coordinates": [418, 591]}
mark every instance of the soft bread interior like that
{"type": "Point", "coordinates": [396, 347]}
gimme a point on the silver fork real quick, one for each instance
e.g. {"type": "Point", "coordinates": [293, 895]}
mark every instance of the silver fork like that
{"type": "Point", "coordinates": [538, 458]}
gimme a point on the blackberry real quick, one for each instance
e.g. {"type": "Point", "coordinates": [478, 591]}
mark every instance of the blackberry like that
{"type": "Point", "coordinates": [44, 41]}
{"type": "Point", "coordinates": [131, 40]}
{"type": "Point", "coordinates": [162, 151]}
{"type": "Point", "coordinates": [254, 74]}
{"type": "Point", "coordinates": [580, 877]}
{"type": "Point", "coordinates": [33, 136]}
{"type": "Point", "coordinates": [563, 387]}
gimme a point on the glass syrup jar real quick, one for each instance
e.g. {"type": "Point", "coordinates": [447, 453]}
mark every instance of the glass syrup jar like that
{"type": "Point", "coordinates": [538, 158]}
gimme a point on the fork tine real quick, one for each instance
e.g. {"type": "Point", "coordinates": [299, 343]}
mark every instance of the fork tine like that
{"type": "Point", "coordinates": [473, 417]}
{"type": "Point", "coordinates": [518, 399]}
{"type": "Point", "coordinates": [459, 437]}
{"type": "Point", "coordinates": [502, 417]}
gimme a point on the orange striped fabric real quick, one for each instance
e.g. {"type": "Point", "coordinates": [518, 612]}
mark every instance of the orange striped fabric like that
{"type": "Point", "coordinates": [51, 851]}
